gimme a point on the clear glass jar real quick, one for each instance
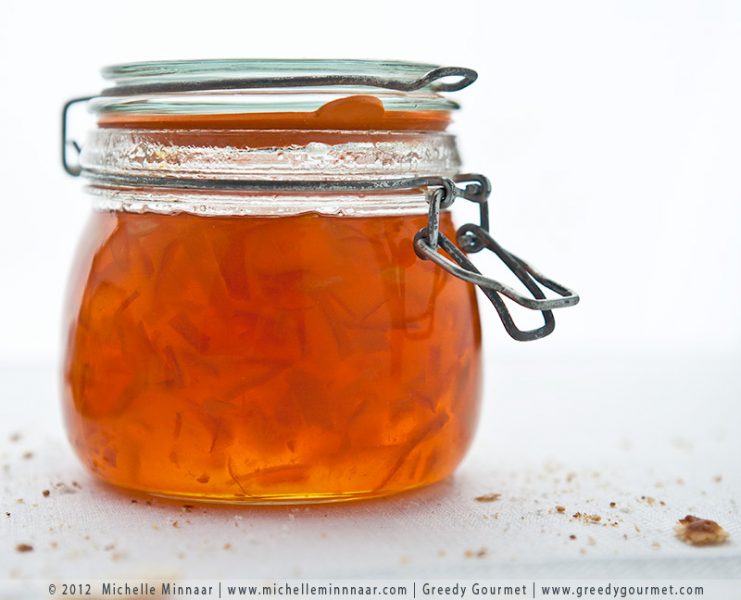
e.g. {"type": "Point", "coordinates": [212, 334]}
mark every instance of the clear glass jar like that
{"type": "Point", "coordinates": [270, 344]}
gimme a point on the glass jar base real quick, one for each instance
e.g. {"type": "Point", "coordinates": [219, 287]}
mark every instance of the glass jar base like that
{"type": "Point", "coordinates": [287, 499]}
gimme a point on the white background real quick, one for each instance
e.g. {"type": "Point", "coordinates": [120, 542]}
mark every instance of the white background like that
{"type": "Point", "coordinates": [612, 132]}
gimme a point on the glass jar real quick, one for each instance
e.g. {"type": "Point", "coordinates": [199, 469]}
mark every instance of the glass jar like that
{"type": "Point", "coordinates": [249, 319]}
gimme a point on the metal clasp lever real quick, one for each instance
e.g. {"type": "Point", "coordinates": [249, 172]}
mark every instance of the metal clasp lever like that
{"type": "Point", "coordinates": [72, 168]}
{"type": "Point", "coordinates": [473, 238]}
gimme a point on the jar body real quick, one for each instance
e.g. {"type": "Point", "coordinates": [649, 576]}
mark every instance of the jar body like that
{"type": "Point", "coordinates": [268, 359]}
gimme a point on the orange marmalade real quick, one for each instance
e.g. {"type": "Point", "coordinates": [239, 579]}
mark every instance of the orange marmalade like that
{"type": "Point", "coordinates": [269, 358]}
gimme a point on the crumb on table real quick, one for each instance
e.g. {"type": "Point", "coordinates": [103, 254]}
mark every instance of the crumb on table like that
{"type": "Point", "coordinates": [587, 518]}
{"type": "Point", "coordinates": [488, 497]}
{"type": "Point", "coordinates": [700, 532]}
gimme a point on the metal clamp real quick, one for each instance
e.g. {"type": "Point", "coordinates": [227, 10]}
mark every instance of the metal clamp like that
{"type": "Point", "coordinates": [442, 192]}
{"type": "Point", "coordinates": [73, 169]}
{"type": "Point", "coordinates": [474, 238]}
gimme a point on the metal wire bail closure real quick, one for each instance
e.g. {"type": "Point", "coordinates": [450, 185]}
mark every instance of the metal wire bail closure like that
{"type": "Point", "coordinates": [473, 238]}
{"type": "Point", "coordinates": [442, 192]}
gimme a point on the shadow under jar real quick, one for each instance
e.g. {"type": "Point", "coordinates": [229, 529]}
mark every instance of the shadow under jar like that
{"type": "Point", "coordinates": [283, 344]}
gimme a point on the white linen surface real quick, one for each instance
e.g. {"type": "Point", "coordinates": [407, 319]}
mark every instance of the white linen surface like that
{"type": "Point", "coordinates": [577, 433]}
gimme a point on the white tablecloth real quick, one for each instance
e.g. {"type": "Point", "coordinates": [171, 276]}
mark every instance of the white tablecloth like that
{"type": "Point", "coordinates": [580, 433]}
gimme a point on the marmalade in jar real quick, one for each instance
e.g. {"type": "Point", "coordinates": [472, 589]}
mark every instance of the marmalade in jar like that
{"type": "Point", "coordinates": [269, 358]}
{"type": "Point", "coordinates": [244, 358]}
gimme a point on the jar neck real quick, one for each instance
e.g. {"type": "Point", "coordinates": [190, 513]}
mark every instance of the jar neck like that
{"type": "Point", "coordinates": [122, 162]}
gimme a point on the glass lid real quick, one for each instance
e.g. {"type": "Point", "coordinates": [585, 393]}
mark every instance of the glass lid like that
{"type": "Point", "coordinates": [246, 68]}
{"type": "Point", "coordinates": [274, 85]}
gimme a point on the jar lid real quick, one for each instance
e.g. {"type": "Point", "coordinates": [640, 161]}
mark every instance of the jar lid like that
{"type": "Point", "coordinates": [275, 85]}
{"type": "Point", "coordinates": [294, 106]}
